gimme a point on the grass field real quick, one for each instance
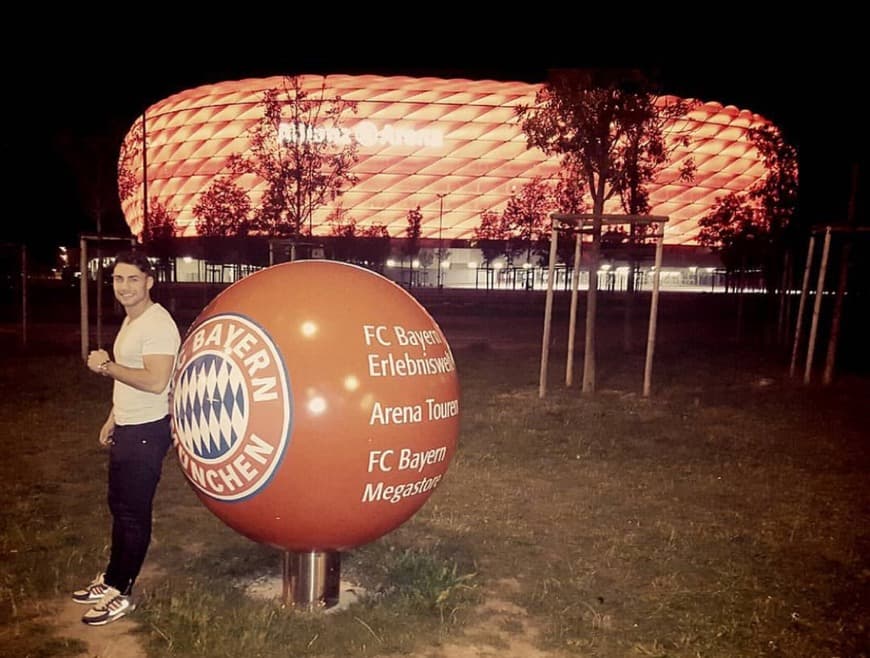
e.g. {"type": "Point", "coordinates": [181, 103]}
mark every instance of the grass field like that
{"type": "Point", "coordinates": [726, 516]}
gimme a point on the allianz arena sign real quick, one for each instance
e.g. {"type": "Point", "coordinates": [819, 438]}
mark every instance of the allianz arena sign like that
{"type": "Point", "coordinates": [366, 133]}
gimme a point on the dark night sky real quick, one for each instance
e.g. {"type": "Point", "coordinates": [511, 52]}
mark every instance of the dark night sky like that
{"type": "Point", "coordinates": [87, 87]}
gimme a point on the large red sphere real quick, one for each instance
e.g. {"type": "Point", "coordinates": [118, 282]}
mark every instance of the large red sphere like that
{"type": "Point", "coordinates": [316, 406]}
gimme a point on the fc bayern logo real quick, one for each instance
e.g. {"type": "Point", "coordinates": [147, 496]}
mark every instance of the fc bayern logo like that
{"type": "Point", "coordinates": [232, 410]}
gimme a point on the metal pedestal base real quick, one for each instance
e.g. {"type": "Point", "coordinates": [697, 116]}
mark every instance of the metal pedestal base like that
{"type": "Point", "coordinates": [311, 580]}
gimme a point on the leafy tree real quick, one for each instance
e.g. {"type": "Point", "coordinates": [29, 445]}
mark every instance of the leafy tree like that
{"type": "Point", "coordinates": [733, 229]}
{"type": "Point", "coordinates": [157, 236]}
{"type": "Point", "coordinates": [375, 231]}
{"type": "Point", "coordinates": [647, 144]}
{"type": "Point", "coordinates": [526, 218]}
{"type": "Point", "coordinates": [426, 257]}
{"type": "Point", "coordinates": [341, 223]}
{"type": "Point", "coordinates": [131, 150]}
{"type": "Point", "coordinates": [645, 151]}
{"type": "Point", "coordinates": [776, 195]}
{"type": "Point", "coordinates": [491, 236]}
{"type": "Point", "coordinates": [750, 230]}
{"type": "Point", "coordinates": [161, 223]}
{"type": "Point", "coordinates": [570, 189]}
{"type": "Point", "coordinates": [412, 243]}
{"type": "Point", "coordinates": [304, 154]}
{"type": "Point", "coordinates": [412, 232]}
{"type": "Point", "coordinates": [569, 198]}
{"type": "Point", "coordinates": [223, 210]}
{"type": "Point", "coordinates": [343, 233]}
{"type": "Point", "coordinates": [374, 246]}
{"type": "Point", "coordinates": [585, 118]}
{"type": "Point", "coordinates": [130, 177]}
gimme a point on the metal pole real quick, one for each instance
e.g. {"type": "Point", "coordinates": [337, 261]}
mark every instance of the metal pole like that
{"type": "Point", "coordinates": [817, 306]}
{"type": "Point", "coordinates": [440, 238]}
{"type": "Point", "coordinates": [548, 312]}
{"type": "Point", "coordinates": [311, 580]}
{"type": "Point", "coordinates": [144, 180]}
{"type": "Point", "coordinates": [653, 315]}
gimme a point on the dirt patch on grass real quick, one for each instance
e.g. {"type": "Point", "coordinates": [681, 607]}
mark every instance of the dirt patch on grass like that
{"type": "Point", "coordinates": [503, 630]}
{"type": "Point", "coordinates": [115, 640]}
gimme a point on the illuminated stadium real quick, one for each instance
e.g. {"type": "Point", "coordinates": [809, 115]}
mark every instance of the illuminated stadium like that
{"type": "Point", "coordinates": [452, 147]}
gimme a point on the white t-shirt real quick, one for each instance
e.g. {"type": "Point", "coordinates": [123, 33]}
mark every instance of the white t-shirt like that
{"type": "Point", "coordinates": [153, 332]}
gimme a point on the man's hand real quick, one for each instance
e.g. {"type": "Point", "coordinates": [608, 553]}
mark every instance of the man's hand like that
{"type": "Point", "coordinates": [107, 431]}
{"type": "Point", "coordinates": [97, 358]}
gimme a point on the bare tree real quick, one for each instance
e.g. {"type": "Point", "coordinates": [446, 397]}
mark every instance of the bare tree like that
{"type": "Point", "coordinates": [585, 117]}
{"type": "Point", "coordinates": [304, 153]}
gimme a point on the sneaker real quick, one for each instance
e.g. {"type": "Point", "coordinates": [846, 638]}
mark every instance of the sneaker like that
{"type": "Point", "coordinates": [93, 592]}
{"type": "Point", "coordinates": [113, 606]}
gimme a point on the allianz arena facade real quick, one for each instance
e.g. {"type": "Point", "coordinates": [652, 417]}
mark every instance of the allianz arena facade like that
{"type": "Point", "coordinates": [453, 147]}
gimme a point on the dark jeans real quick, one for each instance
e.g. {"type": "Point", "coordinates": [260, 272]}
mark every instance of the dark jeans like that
{"type": "Point", "coordinates": [135, 462]}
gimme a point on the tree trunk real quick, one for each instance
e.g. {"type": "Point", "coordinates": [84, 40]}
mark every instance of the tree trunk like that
{"type": "Point", "coordinates": [831, 358]}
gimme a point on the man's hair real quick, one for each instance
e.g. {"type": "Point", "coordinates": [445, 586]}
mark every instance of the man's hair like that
{"type": "Point", "coordinates": [137, 259]}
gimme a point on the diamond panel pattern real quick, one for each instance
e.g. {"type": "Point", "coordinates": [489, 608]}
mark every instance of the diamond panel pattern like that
{"type": "Point", "coordinates": [191, 136]}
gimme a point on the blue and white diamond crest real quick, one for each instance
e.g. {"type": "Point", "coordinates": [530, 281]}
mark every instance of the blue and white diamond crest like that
{"type": "Point", "coordinates": [211, 406]}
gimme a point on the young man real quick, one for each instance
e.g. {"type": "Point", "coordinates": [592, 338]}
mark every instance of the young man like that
{"type": "Point", "coordinates": [137, 432]}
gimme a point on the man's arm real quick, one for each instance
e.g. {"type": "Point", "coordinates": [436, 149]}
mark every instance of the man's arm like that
{"type": "Point", "coordinates": [153, 378]}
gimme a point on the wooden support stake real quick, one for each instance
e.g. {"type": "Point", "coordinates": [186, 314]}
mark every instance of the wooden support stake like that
{"type": "Point", "coordinates": [548, 312]}
{"type": "Point", "coordinates": [805, 287]}
{"type": "Point", "coordinates": [572, 324]}
{"type": "Point", "coordinates": [817, 306]}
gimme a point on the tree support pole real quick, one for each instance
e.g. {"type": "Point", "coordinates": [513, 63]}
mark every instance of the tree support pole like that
{"type": "Point", "coordinates": [572, 325]}
{"type": "Point", "coordinates": [548, 312]}
{"type": "Point", "coordinates": [653, 315]}
{"type": "Point", "coordinates": [805, 287]}
{"type": "Point", "coordinates": [817, 307]}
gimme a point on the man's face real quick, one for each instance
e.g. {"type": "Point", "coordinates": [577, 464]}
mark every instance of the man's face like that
{"type": "Point", "coordinates": [131, 285]}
